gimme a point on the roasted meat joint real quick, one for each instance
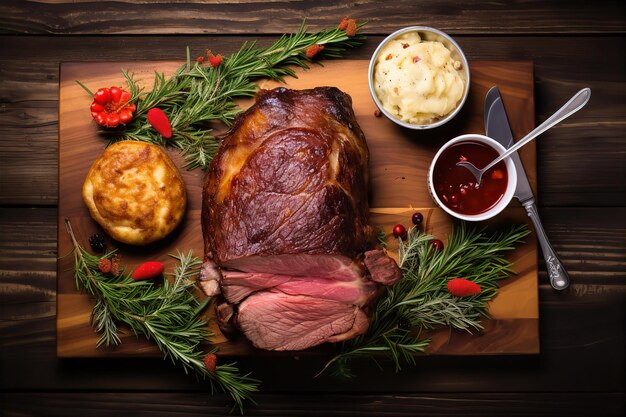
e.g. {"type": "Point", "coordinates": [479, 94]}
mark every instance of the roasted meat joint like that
{"type": "Point", "coordinates": [285, 223]}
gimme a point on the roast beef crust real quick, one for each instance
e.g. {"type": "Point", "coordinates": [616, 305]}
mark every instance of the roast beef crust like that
{"type": "Point", "coordinates": [289, 178]}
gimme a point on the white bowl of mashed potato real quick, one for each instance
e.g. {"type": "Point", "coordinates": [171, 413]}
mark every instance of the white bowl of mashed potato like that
{"type": "Point", "coordinates": [419, 77]}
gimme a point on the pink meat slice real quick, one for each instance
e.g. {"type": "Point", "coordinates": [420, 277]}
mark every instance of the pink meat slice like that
{"type": "Point", "coordinates": [337, 267]}
{"type": "Point", "coordinates": [238, 285]}
{"type": "Point", "coordinates": [274, 320]}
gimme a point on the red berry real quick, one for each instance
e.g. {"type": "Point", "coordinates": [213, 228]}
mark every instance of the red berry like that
{"type": "Point", "coordinates": [115, 265]}
{"type": "Point", "coordinates": [159, 121]}
{"type": "Point", "coordinates": [126, 116]}
{"type": "Point", "coordinates": [96, 107]}
{"type": "Point", "coordinates": [104, 265]}
{"type": "Point", "coordinates": [214, 60]}
{"type": "Point", "coordinates": [351, 28]}
{"type": "Point", "coordinates": [417, 218]}
{"type": "Point", "coordinates": [102, 96]}
{"type": "Point", "coordinates": [148, 270]}
{"type": "Point", "coordinates": [344, 23]}
{"type": "Point", "coordinates": [313, 50]}
{"type": "Point", "coordinates": [462, 287]}
{"type": "Point", "coordinates": [113, 120]}
{"type": "Point", "coordinates": [116, 94]}
{"type": "Point", "coordinates": [210, 361]}
{"type": "Point", "coordinates": [437, 244]}
{"type": "Point", "coordinates": [399, 231]}
{"type": "Point", "coordinates": [124, 97]}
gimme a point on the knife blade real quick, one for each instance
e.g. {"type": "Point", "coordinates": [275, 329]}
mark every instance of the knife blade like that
{"type": "Point", "coordinates": [497, 127]}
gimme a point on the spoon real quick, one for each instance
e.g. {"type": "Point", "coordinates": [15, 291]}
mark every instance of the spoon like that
{"type": "Point", "coordinates": [572, 106]}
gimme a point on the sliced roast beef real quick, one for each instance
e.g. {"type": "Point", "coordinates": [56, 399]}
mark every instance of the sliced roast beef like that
{"type": "Point", "coordinates": [284, 216]}
{"type": "Point", "coordinates": [277, 321]}
{"type": "Point", "coordinates": [238, 285]}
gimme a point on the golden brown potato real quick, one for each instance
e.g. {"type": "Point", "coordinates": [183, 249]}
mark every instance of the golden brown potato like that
{"type": "Point", "coordinates": [135, 192]}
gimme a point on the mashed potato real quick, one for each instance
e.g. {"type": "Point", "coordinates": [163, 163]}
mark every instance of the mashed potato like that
{"type": "Point", "coordinates": [417, 82]}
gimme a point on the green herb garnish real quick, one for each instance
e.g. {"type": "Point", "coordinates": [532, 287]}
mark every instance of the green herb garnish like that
{"type": "Point", "coordinates": [168, 314]}
{"type": "Point", "coordinates": [420, 300]}
{"type": "Point", "coordinates": [197, 95]}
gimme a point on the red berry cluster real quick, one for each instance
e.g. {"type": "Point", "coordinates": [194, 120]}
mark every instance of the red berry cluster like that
{"type": "Point", "coordinates": [400, 232]}
{"type": "Point", "coordinates": [213, 60]}
{"type": "Point", "coordinates": [111, 107]}
{"type": "Point", "coordinates": [109, 265]}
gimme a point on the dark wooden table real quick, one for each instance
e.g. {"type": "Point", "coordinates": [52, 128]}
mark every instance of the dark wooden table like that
{"type": "Point", "coordinates": [581, 174]}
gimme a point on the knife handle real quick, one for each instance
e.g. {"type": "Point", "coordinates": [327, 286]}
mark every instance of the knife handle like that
{"type": "Point", "coordinates": [556, 271]}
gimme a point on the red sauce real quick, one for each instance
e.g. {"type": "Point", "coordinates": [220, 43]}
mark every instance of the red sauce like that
{"type": "Point", "coordinates": [456, 187]}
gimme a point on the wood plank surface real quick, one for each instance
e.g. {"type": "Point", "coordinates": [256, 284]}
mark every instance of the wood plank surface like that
{"type": "Point", "coordinates": [398, 167]}
{"type": "Point", "coordinates": [581, 172]}
{"type": "Point", "coordinates": [438, 405]}
{"type": "Point", "coordinates": [269, 16]}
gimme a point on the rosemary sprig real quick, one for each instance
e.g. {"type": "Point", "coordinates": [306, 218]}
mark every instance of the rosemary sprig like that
{"type": "Point", "coordinates": [195, 96]}
{"type": "Point", "coordinates": [167, 314]}
{"type": "Point", "coordinates": [381, 238]}
{"type": "Point", "coordinates": [420, 300]}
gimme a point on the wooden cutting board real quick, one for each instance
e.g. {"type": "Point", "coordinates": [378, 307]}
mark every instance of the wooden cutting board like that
{"type": "Point", "coordinates": [399, 162]}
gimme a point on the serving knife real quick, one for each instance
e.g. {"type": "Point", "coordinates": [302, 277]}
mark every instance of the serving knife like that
{"type": "Point", "coordinates": [497, 127]}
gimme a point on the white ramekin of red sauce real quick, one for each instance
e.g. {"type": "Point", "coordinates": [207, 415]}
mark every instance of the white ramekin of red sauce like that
{"type": "Point", "coordinates": [454, 188]}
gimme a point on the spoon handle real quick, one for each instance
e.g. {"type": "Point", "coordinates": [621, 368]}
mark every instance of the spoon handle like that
{"type": "Point", "coordinates": [559, 279]}
{"type": "Point", "coordinates": [572, 106]}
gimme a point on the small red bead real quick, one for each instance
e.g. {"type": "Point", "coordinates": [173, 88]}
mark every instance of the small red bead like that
{"type": "Point", "coordinates": [417, 218]}
{"type": "Point", "coordinates": [96, 107]}
{"type": "Point", "coordinates": [437, 244]}
{"type": "Point", "coordinates": [210, 361]}
{"type": "Point", "coordinates": [116, 94]}
{"type": "Point", "coordinates": [102, 96]}
{"type": "Point", "coordinates": [399, 231]}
